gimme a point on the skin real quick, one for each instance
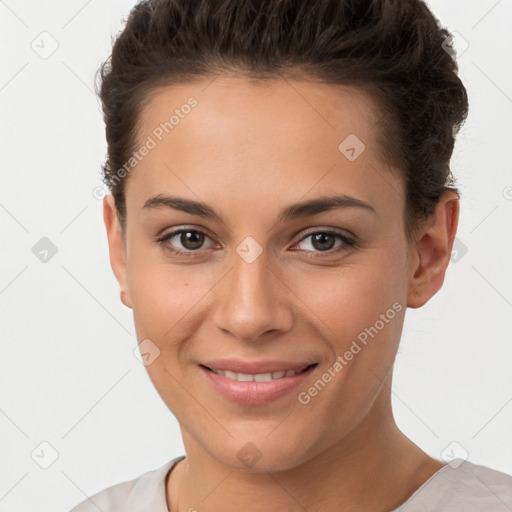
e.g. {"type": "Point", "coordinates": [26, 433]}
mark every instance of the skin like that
{"type": "Point", "coordinates": [249, 150]}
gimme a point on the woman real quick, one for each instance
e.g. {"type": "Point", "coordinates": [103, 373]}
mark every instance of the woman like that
{"type": "Point", "coordinates": [281, 193]}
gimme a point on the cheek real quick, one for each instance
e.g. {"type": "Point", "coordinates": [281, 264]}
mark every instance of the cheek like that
{"type": "Point", "coordinates": [164, 299]}
{"type": "Point", "coordinates": [351, 297]}
{"type": "Point", "coordinates": [170, 303]}
{"type": "Point", "coordinates": [360, 310]}
{"type": "Point", "coordinates": [164, 294]}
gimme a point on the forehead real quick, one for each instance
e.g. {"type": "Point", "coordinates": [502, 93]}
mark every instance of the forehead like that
{"type": "Point", "coordinates": [271, 136]}
{"type": "Point", "coordinates": [308, 109]}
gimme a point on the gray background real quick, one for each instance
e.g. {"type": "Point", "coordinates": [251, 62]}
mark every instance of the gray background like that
{"type": "Point", "coordinates": [68, 376]}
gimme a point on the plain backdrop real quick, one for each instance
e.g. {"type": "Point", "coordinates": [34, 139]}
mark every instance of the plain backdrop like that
{"type": "Point", "coordinates": [73, 396]}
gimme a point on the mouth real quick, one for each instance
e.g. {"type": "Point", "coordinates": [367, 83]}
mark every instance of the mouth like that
{"type": "Point", "coordinates": [251, 389]}
{"type": "Point", "coordinates": [258, 377]}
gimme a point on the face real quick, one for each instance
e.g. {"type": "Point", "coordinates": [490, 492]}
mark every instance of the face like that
{"type": "Point", "coordinates": [253, 277]}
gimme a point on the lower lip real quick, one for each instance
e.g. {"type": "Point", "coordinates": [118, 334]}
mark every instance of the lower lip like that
{"type": "Point", "coordinates": [255, 393]}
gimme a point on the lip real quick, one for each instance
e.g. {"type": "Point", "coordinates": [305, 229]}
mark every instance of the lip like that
{"type": "Point", "coordinates": [252, 392]}
{"type": "Point", "coordinates": [267, 366]}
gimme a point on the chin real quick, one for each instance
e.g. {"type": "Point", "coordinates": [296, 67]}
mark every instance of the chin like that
{"type": "Point", "coordinates": [260, 454]}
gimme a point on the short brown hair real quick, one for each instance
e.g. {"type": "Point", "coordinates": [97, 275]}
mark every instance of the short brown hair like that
{"type": "Point", "coordinates": [394, 49]}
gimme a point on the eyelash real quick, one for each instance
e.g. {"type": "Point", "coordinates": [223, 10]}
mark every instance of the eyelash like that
{"type": "Point", "coordinates": [348, 243]}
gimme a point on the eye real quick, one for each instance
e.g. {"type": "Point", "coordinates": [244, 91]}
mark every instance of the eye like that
{"type": "Point", "coordinates": [324, 241]}
{"type": "Point", "coordinates": [191, 240]}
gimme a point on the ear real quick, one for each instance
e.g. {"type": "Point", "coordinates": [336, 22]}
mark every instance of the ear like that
{"type": "Point", "coordinates": [116, 247]}
{"type": "Point", "coordinates": [432, 249]}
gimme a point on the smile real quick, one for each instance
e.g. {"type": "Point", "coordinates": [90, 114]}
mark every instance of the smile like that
{"type": "Point", "coordinates": [256, 377]}
{"type": "Point", "coordinates": [256, 388]}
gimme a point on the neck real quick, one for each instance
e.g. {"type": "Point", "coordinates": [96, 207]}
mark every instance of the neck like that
{"type": "Point", "coordinates": [374, 467]}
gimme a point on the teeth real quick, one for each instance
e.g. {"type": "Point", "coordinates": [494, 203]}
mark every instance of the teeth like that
{"type": "Point", "coordinates": [258, 377]}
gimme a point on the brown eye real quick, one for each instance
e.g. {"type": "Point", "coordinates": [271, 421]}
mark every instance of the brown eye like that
{"type": "Point", "coordinates": [185, 242]}
{"type": "Point", "coordinates": [192, 239]}
{"type": "Point", "coordinates": [325, 241]}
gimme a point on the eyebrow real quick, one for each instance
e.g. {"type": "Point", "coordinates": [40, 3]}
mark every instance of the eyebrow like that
{"type": "Point", "coordinates": [291, 212]}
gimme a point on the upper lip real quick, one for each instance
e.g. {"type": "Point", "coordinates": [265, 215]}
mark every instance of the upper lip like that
{"type": "Point", "coordinates": [255, 367]}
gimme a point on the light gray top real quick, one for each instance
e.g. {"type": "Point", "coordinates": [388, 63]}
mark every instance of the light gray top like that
{"type": "Point", "coordinates": [458, 486]}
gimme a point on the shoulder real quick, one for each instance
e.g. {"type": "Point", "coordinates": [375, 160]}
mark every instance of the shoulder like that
{"type": "Point", "coordinates": [141, 494]}
{"type": "Point", "coordinates": [463, 485]}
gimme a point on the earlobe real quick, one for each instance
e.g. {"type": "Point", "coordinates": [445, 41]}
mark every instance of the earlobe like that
{"type": "Point", "coordinates": [125, 300]}
{"type": "Point", "coordinates": [116, 248]}
{"type": "Point", "coordinates": [432, 251]}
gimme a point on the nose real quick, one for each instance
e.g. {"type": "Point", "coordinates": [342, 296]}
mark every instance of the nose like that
{"type": "Point", "coordinates": [252, 301]}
